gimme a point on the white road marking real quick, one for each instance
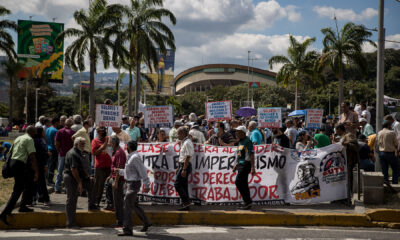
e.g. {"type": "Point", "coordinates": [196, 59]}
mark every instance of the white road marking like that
{"type": "Point", "coordinates": [68, 232]}
{"type": "Point", "coordinates": [194, 230]}
{"type": "Point", "coordinates": [325, 229]}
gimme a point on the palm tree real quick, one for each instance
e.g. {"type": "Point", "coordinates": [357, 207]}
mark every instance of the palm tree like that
{"type": "Point", "coordinates": [91, 41]}
{"type": "Point", "coordinates": [12, 68]}
{"type": "Point", "coordinates": [6, 41]}
{"type": "Point", "coordinates": [299, 66]}
{"type": "Point", "coordinates": [144, 31]}
{"type": "Point", "coordinates": [175, 103]}
{"type": "Point", "coordinates": [343, 48]}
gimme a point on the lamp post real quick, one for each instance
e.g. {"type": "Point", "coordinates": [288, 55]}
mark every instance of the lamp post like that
{"type": "Point", "coordinates": [36, 99]}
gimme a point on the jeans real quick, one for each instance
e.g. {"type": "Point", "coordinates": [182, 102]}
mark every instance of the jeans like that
{"type": "Point", "coordinates": [52, 165]}
{"type": "Point", "coordinates": [181, 183]}
{"type": "Point", "coordinates": [389, 159]}
{"type": "Point", "coordinates": [60, 170]}
{"type": "Point", "coordinates": [242, 181]}
{"type": "Point", "coordinates": [23, 184]}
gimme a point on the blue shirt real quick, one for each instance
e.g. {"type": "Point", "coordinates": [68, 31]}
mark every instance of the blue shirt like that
{"type": "Point", "coordinates": [6, 146]}
{"type": "Point", "coordinates": [256, 136]}
{"type": "Point", "coordinates": [50, 136]}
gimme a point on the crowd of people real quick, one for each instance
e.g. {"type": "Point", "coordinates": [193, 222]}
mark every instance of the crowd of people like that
{"type": "Point", "coordinates": [91, 163]}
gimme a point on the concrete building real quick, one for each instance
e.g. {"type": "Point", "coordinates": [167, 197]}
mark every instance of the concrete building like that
{"type": "Point", "coordinates": [204, 77]}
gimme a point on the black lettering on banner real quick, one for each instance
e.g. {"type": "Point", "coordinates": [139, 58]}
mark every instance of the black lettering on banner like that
{"type": "Point", "coordinates": [221, 163]}
{"type": "Point", "coordinates": [214, 161]}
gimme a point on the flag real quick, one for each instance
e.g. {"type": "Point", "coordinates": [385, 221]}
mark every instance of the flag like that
{"type": "Point", "coordinates": [85, 84]}
{"type": "Point", "coordinates": [254, 84]}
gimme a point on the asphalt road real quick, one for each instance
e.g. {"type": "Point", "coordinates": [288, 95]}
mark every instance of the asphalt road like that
{"type": "Point", "coordinates": [204, 232]}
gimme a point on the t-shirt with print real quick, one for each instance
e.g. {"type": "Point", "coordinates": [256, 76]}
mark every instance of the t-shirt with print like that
{"type": "Point", "coordinates": [244, 150]}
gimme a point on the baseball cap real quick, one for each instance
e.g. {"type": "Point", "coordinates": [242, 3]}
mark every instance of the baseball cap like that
{"type": "Point", "coordinates": [362, 120]}
{"type": "Point", "coordinates": [178, 123]}
{"type": "Point", "coordinates": [241, 128]}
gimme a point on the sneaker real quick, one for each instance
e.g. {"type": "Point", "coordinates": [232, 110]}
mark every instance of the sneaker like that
{"type": "Point", "coordinates": [185, 206]}
{"type": "Point", "coordinates": [146, 227]}
{"type": "Point", "coordinates": [246, 206]}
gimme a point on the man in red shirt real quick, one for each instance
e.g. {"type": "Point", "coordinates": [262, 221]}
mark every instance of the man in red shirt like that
{"type": "Point", "coordinates": [102, 162]}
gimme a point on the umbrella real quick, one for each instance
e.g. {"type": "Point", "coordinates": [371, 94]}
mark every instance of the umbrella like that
{"type": "Point", "coordinates": [297, 113]}
{"type": "Point", "coordinates": [246, 112]}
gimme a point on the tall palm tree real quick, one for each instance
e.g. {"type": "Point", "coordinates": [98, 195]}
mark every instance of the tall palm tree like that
{"type": "Point", "coordinates": [343, 48]}
{"type": "Point", "coordinates": [6, 41]}
{"type": "Point", "coordinates": [12, 68]}
{"type": "Point", "coordinates": [145, 32]}
{"type": "Point", "coordinates": [299, 66]}
{"type": "Point", "coordinates": [91, 41]}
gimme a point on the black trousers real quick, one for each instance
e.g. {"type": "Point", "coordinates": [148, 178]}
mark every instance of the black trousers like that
{"type": "Point", "coordinates": [41, 184]}
{"type": "Point", "coordinates": [52, 164]}
{"type": "Point", "coordinates": [23, 184]}
{"type": "Point", "coordinates": [181, 183]}
{"type": "Point", "coordinates": [242, 181]}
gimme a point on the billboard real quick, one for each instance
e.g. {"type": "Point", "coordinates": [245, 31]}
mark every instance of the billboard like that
{"type": "Point", "coordinates": [164, 77]}
{"type": "Point", "coordinates": [38, 52]}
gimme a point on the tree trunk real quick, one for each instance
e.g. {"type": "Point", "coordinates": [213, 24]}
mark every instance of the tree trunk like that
{"type": "Point", "coordinates": [10, 112]}
{"type": "Point", "coordinates": [137, 95]}
{"type": "Point", "coordinates": [130, 93]}
{"type": "Point", "coordinates": [91, 90]}
{"type": "Point", "coordinates": [341, 95]}
{"type": "Point", "coordinates": [296, 95]}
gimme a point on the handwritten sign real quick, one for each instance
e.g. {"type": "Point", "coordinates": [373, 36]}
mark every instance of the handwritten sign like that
{"type": "Point", "coordinates": [108, 115]}
{"type": "Point", "coordinates": [270, 117]}
{"type": "Point", "coordinates": [314, 118]}
{"type": "Point", "coordinates": [219, 111]}
{"type": "Point", "coordinates": [158, 116]}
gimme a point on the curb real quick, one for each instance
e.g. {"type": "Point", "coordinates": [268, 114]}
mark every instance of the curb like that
{"type": "Point", "coordinates": [50, 219]}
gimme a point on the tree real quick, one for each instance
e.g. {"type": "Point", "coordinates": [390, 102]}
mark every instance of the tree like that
{"type": "Point", "coordinates": [6, 41]}
{"type": "Point", "coordinates": [145, 31]}
{"type": "Point", "coordinates": [12, 68]}
{"type": "Point", "coordinates": [175, 103]}
{"type": "Point", "coordinates": [298, 67]}
{"type": "Point", "coordinates": [91, 40]}
{"type": "Point", "coordinates": [343, 48]}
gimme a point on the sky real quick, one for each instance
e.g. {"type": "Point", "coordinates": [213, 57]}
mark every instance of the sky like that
{"type": "Point", "coordinates": [223, 31]}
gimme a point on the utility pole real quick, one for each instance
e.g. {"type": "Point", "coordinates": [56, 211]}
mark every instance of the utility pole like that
{"type": "Point", "coordinates": [36, 99]}
{"type": "Point", "coordinates": [248, 76]}
{"type": "Point", "coordinates": [379, 76]}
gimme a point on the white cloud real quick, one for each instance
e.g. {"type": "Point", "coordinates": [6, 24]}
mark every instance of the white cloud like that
{"type": "Point", "coordinates": [266, 13]}
{"type": "Point", "coordinates": [395, 45]}
{"type": "Point", "coordinates": [345, 14]}
{"type": "Point", "coordinates": [367, 47]}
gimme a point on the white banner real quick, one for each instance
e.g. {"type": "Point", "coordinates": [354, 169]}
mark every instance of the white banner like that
{"type": "Point", "coordinates": [219, 111]}
{"type": "Point", "coordinates": [282, 175]}
{"type": "Point", "coordinates": [108, 115]}
{"type": "Point", "coordinates": [159, 116]}
{"type": "Point", "coordinates": [270, 117]}
{"type": "Point", "coordinates": [314, 118]}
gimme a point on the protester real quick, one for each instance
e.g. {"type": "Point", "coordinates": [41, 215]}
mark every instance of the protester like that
{"type": "Point", "coordinates": [328, 129]}
{"type": "Point", "coordinates": [173, 134]}
{"type": "Point", "coordinates": [221, 137]}
{"type": "Point", "coordinates": [185, 167]}
{"type": "Point", "coordinates": [322, 138]}
{"type": "Point", "coordinates": [197, 136]}
{"type": "Point", "coordinates": [125, 122]}
{"type": "Point", "coordinates": [395, 125]}
{"type": "Point", "coordinates": [210, 131]}
{"type": "Point", "coordinates": [279, 138]}
{"type": "Point", "coordinates": [244, 165]}
{"type": "Point", "coordinates": [122, 135]}
{"type": "Point", "coordinates": [25, 169]}
{"type": "Point", "coordinates": [84, 133]}
{"type": "Point", "coordinates": [4, 149]}
{"type": "Point", "coordinates": [47, 124]}
{"type": "Point", "coordinates": [53, 159]}
{"type": "Point", "coordinates": [63, 144]}
{"type": "Point", "coordinates": [102, 162]}
{"type": "Point", "coordinates": [365, 113]}
{"type": "Point", "coordinates": [143, 131]}
{"type": "Point", "coordinates": [118, 162]}
{"type": "Point", "coordinates": [63, 119]}
{"type": "Point", "coordinates": [41, 158]}
{"type": "Point", "coordinates": [134, 172]}
{"type": "Point", "coordinates": [77, 178]}
{"type": "Point", "coordinates": [366, 154]}
{"type": "Point", "coordinates": [77, 123]}
{"type": "Point", "coordinates": [349, 118]}
{"type": "Point", "coordinates": [291, 133]}
{"type": "Point", "coordinates": [133, 131]}
{"type": "Point", "coordinates": [40, 123]}
{"type": "Point", "coordinates": [366, 128]}
{"type": "Point", "coordinates": [304, 141]}
{"type": "Point", "coordinates": [388, 152]}
{"type": "Point", "coordinates": [255, 134]}
{"type": "Point", "coordinates": [162, 136]}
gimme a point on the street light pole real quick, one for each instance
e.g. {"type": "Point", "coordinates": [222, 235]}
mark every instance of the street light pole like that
{"type": "Point", "coordinates": [248, 76]}
{"type": "Point", "coordinates": [379, 76]}
{"type": "Point", "coordinates": [36, 99]}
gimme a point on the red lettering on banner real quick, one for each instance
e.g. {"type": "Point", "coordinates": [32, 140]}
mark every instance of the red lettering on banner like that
{"type": "Point", "coordinates": [227, 194]}
{"type": "Point", "coordinates": [151, 148]}
{"type": "Point", "coordinates": [171, 177]}
{"type": "Point", "coordinates": [196, 179]}
{"type": "Point", "coordinates": [272, 191]}
{"type": "Point", "coordinates": [215, 149]}
{"type": "Point", "coordinates": [210, 195]}
{"type": "Point", "coordinates": [218, 194]}
{"type": "Point", "coordinates": [207, 148]}
{"type": "Point", "coordinates": [175, 147]}
{"type": "Point", "coordinates": [218, 178]}
{"type": "Point", "coordinates": [212, 175]}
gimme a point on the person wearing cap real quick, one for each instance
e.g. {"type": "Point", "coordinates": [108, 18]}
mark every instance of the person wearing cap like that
{"type": "Point", "coordinates": [366, 128]}
{"type": "Point", "coordinates": [322, 138]}
{"type": "Point", "coordinates": [244, 165]}
{"type": "Point", "coordinates": [388, 152]}
{"type": "Point", "coordinates": [173, 134]}
{"type": "Point", "coordinates": [197, 136]}
{"type": "Point", "coordinates": [125, 122]}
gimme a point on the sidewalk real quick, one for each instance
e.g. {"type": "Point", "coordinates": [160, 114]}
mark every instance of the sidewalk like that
{"type": "Point", "coordinates": [324, 214]}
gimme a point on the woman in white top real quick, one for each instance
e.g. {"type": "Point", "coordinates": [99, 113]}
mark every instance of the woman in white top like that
{"type": "Point", "coordinates": [304, 141]}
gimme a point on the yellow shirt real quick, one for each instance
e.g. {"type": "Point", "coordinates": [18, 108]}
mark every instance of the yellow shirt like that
{"type": "Point", "coordinates": [84, 134]}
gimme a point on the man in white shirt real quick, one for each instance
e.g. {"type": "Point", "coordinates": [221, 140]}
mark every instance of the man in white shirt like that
{"type": "Point", "coordinates": [197, 136]}
{"type": "Point", "coordinates": [291, 133]}
{"type": "Point", "coordinates": [365, 113]}
{"type": "Point", "coordinates": [134, 172]}
{"type": "Point", "coordinates": [185, 167]}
